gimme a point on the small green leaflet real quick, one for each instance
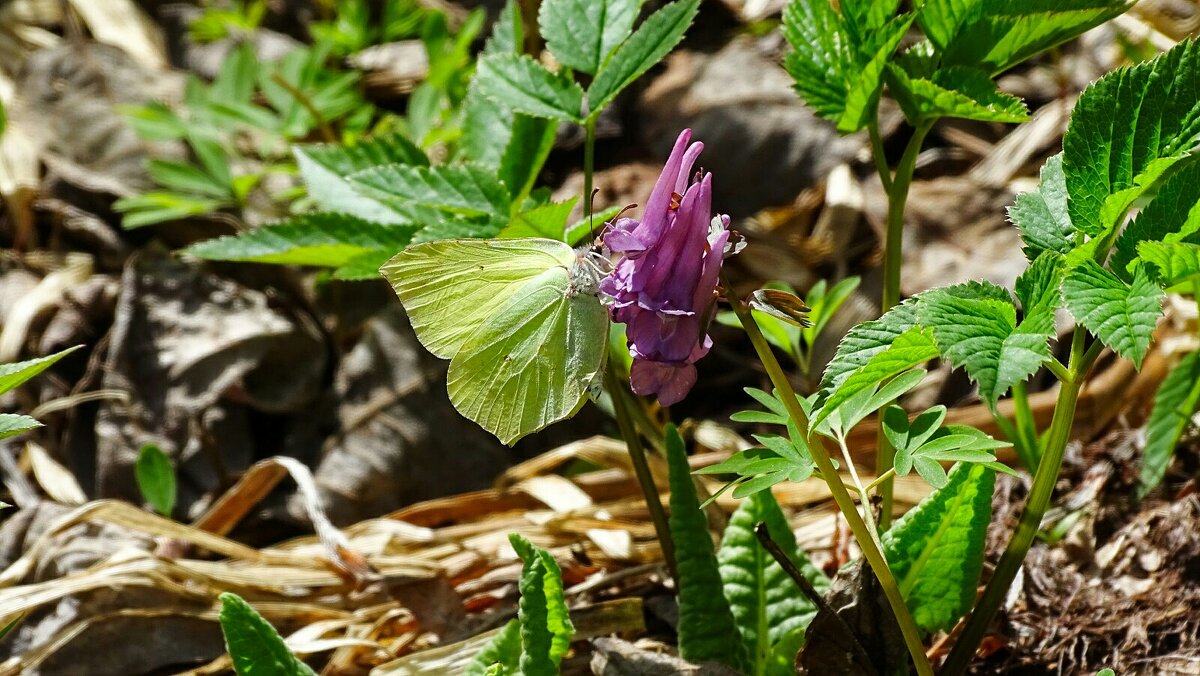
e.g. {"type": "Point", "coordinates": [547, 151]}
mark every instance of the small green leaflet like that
{"type": "Point", "coordinates": [12, 424]}
{"type": "Point", "coordinates": [957, 91]}
{"type": "Point", "coordinates": [156, 479]}
{"type": "Point", "coordinates": [525, 86]}
{"type": "Point", "coordinates": [1121, 315]}
{"type": "Point", "coordinates": [1172, 263]}
{"type": "Point", "coordinates": [548, 221]}
{"type": "Point", "coordinates": [1174, 403]}
{"type": "Point", "coordinates": [923, 444]}
{"type": "Point", "coordinates": [518, 319]}
{"type": "Point", "coordinates": [16, 374]}
{"type": "Point", "coordinates": [936, 549]}
{"type": "Point", "coordinates": [582, 33]}
{"type": "Point", "coordinates": [1127, 131]}
{"type": "Point", "coordinates": [1172, 217]}
{"type": "Point", "coordinates": [325, 168]}
{"type": "Point", "coordinates": [1041, 215]}
{"type": "Point", "coordinates": [255, 646]}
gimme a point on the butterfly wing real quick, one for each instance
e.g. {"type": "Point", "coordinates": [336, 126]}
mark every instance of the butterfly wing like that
{"type": "Point", "coordinates": [451, 287]}
{"type": "Point", "coordinates": [531, 364]}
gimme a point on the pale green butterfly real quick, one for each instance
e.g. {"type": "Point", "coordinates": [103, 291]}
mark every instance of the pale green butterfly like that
{"type": "Point", "coordinates": [519, 320]}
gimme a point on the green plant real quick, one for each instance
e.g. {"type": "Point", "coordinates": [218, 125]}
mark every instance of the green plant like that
{"type": "Point", "coordinates": [842, 61]}
{"type": "Point", "coordinates": [156, 479]}
{"type": "Point", "coordinates": [535, 642]}
{"type": "Point", "coordinates": [13, 376]}
{"type": "Point", "coordinates": [353, 27]}
{"type": "Point", "coordinates": [253, 644]}
{"type": "Point", "coordinates": [219, 21]}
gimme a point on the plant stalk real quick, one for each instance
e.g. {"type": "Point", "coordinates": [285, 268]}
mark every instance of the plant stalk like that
{"type": "Point", "coordinates": [1031, 517]}
{"type": "Point", "coordinates": [871, 552]}
{"type": "Point", "coordinates": [641, 468]}
{"type": "Point", "coordinates": [589, 165]}
{"type": "Point", "coordinates": [897, 190]}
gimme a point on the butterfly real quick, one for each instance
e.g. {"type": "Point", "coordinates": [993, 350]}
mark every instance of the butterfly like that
{"type": "Point", "coordinates": [519, 319]}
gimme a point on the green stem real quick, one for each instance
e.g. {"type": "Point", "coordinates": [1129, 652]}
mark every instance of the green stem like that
{"type": "Point", "coordinates": [881, 165]}
{"type": "Point", "coordinates": [1027, 433]}
{"type": "Point", "coordinates": [1031, 518]}
{"type": "Point", "coordinates": [589, 165]}
{"type": "Point", "coordinates": [871, 552]}
{"type": "Point", "coordinates": [885, 455]}
{"type": "Point", "coordinates": [641, 468]}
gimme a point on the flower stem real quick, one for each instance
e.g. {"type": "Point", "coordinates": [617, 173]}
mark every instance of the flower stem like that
{"type": "Point", "coordinates": [885, 455]}
{"type": "Point", "coordinates": [881, 165]}
{"type": "Point", "coordinates": [1035, 508]}
{"type": "Point", "coordinates": [641, 468]}
{"type": "Point", "coordinates": [589, 166]}
{"type": "Point", "coordinates": [871, 552]}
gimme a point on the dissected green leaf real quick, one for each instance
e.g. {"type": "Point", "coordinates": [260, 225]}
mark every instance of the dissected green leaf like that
{"type": "Point", "coordinates": [16, 374]}
{"type": "Point", "coordinates": [976, 328]}
{"type": "Point", "coordinates": [12, 424]}
{"type": "Point", "coordinates": [504, 650]}
{"type": "Point", "coordinates": [545, 621]}
{"type": "Point", "coordinates": [958, 91]}
{"type": "Point", "coordinates": [256, 648]}
{"type": "Point", "coordinates": [1128, 130]}
{"type": "Point", "coordinates": [707, 631]}
{"type": "Point", "coordinates": [1176, 400]}
{"type": "Point", "coordinates": [997, 35]}
{"type": "Point", "coordinates": [322, 239]}
{"type": "Point", "coordinates": [524, 85]}
{"type": "Point", "coordinates": [325, 168]}
{"type": "Point", "coordinates": [1041, 215]}
{"type": "Point", "coordinates": [160, 207]}
{"type": "Point", "coordinates": [582, 33]}
{"type": "Point", "coordinates": [1173, 216]}
{"type": "Point", "coordinates": [936, 549]}
{"type": "Point", "coordinates": [770, 612]}
{"type": "Point", "coordinates": [156, 478]}
{"type": "Point", "coordinates": [923, 444]}
{"type": "Point", "coordinates": [1120, 314]}
{"type": "Point", "coordinates": [1172, 263]}
{"type": "Point", "coordinates": [652, 41]}
{"type": "Point", "coordinates": [186, 178]}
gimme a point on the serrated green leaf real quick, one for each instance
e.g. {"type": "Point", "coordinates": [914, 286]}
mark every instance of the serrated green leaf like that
{"type": "Point", "coordinates": [999, 35]}
{"type": "Point", "coordinates": [524, 85]}
{"type": "Point", "coordinates": [1173, 216]}
{"type": "Point", "coordinates": [530, 140]}
{"type": "Point", "coordinates": [1128, 130]}
{"type": "Point", "coordinates": [957, 91]}
{"type": "Point", "coordinates": [325, 168]}
{"type": "Point", "coordinates": [156, 479]}
{"type": "Point", "coordinates": [1121, 315]}
{"type": "Point", "coordinates": [707, 631]}
{"type": "Point", "coordinates": [652, 41]}
{"type": "Point", "coordinates": [936, 549]}
{"type": "Point", "coordinates": [866, 340]}
{"type": "Point", "coordinates": [508, 33]}
{"type": "Point", "coordinates": [487, 128]}
{"type": "Point", "coordinates": [256, 648]}
{"type": "Point", "coordinates": [1174, 404]}
{"type": "Point", "coordinates": [503, 650]}
{"type": "Point", "coordinates": [976, 328]}
{"type": "Point", "coordinates": [16, 374]}
{"type": "Point", "coordinates": [866, 83]}
{"type": "Point", "coordinates": [548, 221]}
{"type": "Point", "coordinates": [459, 189]}
{"type": "Point", "coordinates": [12, 424]}
{"type": "Point", "coordinates": [1041, 215]}
{"type": "Point", "coordinates": [820, 56]}
{"type": "Point", "coordinates": [1172, 263]}
{"type": "Point", "coordinates": [544, 619]}
{"type": "Point", "coordinates": [770, 612]}
{"type": "Point", "coordinates": [908, 350]}
{"type": "Point", "coordinates": [321, 239]}
{"type": "Point", "coordinates": [582, 33]}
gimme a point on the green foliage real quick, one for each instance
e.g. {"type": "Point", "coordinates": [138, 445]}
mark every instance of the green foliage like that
{"type": "Point", "coordinates": [1128, 130]}
{"type": "Point", "coordinates": [862, 386]}
{"type": "Point", "coordinates": [1173, 218]}
{"type": "Point", "coordinates": [1122, 315]}
{"type": "Point", "coordinates": [13, 376]}
{"type": "Point", "coordinates": [866, 340]}
{"type": "Point", "coordinates": [1173, 262]}
{"type": "Point", "coordinates": [976, 328]}
{"type": "Point", "coordinates": [503, 651]}
{"type": "Point", "coordinates": [217, 22]}
{"type": "Point", "coordinates": [923, 444]}
{"type": "Point", "coordinates": [958, 91]}
{"type": "Point", "coordinates": [453, 190]}
{"type": "Point", "coordinates": [1176, 400]}
{"type": "Point", "coordinates": [1041, 215]}
{"type": "Point", "coordinates": [994, 36]}
{"type": "Point", "coordinates": [521, 84]}
{"type": "Point", "coordinates": [353, 27]}
{"type": "Point", "coordinates": [707, 630]}
{"type": "Point", "coordinates": [320, 239]}
{"type": "Point", "coordinates": [544, 619]}
{"type": "Point", "coordinates": [936, 549]}
{"type": "Point", "coordinates": [256, 648]}
{"type": "Point", "coordinates": [156, 479]}
{"type": "Point", "coordinates": [325, 168]}
{"type": "Point", "coordinates": [581, 34]}
{"type": "Point", "coordinates": [839, 59]}
{"type": "Point", "coordinates": [770, 612]}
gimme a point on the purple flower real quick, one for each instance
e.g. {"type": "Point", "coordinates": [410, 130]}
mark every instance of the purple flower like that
{"type": "Point", "coordinates": [664, 284]}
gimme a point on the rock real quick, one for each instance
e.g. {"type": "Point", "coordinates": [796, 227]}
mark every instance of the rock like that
{"type": "Point", "coordinates": [615, 657]}
{"type": "Point", "coordinates": [761, 142]}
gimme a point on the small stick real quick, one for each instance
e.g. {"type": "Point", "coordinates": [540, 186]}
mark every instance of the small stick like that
{"type": "Point", "coordinates": [303, 100]}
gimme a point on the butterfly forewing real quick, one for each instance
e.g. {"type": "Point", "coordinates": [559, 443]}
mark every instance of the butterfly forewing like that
{"type": "Point", "coordinates": [450, 287]}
